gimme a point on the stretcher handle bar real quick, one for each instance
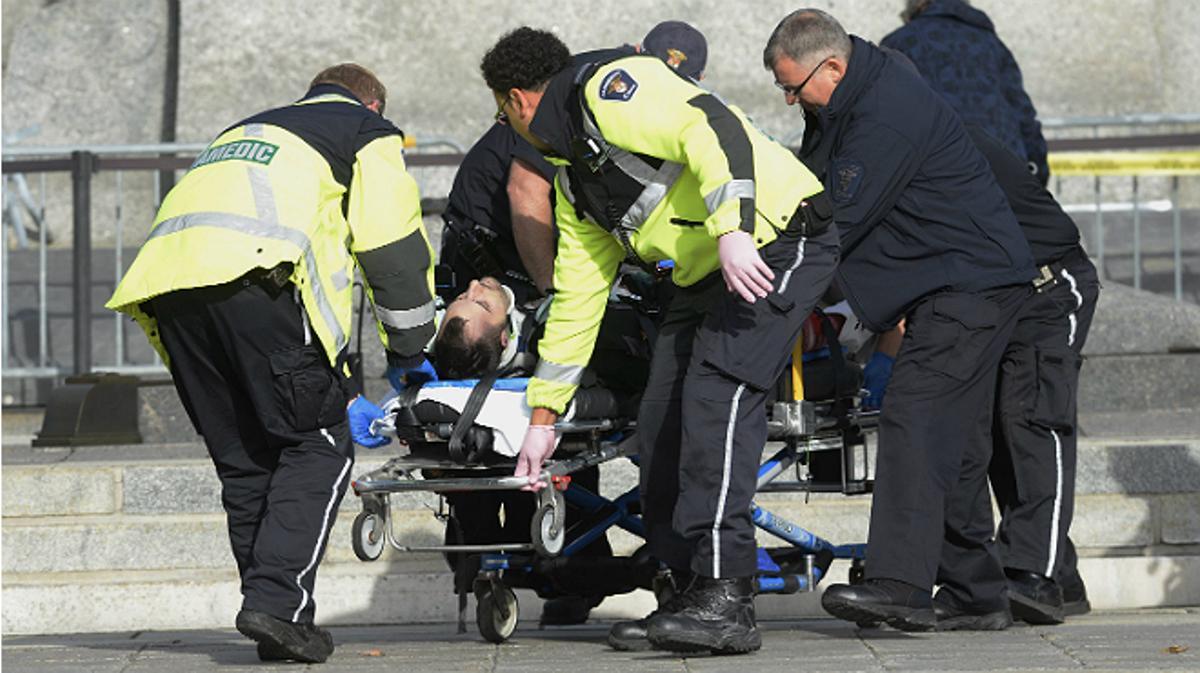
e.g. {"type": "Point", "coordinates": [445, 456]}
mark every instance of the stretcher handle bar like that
{"type": "Point", "coordinates": [386, 426]}
{"type": "Point", "coordinates": [604, 453]}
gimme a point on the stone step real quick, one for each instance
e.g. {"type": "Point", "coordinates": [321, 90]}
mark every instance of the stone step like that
{"type": "Point", "coordinates": [379, 594]}
{"type": "Point", "coordinates": [178, 479]}
{"type": "Point", "coordinates": [199, 541]}
{"type": "Point", "coordinates": [1140, 382]}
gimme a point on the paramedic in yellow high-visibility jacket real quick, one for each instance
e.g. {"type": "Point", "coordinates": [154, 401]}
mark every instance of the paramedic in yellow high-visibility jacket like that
{"type": "Point", "coordinates": [651, 167]}
{"type": "Point", "coordinates": [245, 287]}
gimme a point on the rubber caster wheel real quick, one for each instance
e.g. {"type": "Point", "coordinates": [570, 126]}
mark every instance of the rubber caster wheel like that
{"type": "Point", "coordinates": [496, 612]}
{"type": "Point", "coordinates": [367, 536]}
{"type": "Point", "coordinates": [547, 529]}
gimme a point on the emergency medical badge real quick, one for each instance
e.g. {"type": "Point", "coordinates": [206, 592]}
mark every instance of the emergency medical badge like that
{"type": "Point", "coordinates": [847, 176]}
{"type": "Point", "coordinates": [618, 85]}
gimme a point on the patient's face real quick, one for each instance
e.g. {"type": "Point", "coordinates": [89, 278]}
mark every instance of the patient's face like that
{"type": "Point", "coordinates": [484, 307]}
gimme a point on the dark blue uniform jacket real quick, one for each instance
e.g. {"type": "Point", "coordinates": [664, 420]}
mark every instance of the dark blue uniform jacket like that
{"type": "Point", "coordinates": [917, 207]}
{"type": "Point", "coordinates": [955, 47]}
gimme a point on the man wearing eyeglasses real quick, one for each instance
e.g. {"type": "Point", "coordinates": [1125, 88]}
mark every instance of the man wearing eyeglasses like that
{"type": "Point", "coordinates": [928, 237]}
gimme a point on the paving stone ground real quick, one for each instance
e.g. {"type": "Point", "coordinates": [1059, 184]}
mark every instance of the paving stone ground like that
{"type": "Point", "coordinates": [1143, 640]}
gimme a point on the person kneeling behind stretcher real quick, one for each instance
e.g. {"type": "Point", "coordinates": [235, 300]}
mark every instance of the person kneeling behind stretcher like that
{"type": "Point", "coordinates": [484, 331]}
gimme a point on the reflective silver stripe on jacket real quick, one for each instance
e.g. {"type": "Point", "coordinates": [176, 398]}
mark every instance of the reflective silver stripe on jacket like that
{"type": "Point", "coordinates": [656, 182]}
{"type": "Point", "coordinates": [734, 189]}
{"type": "Point", "coordinates": [263, 229]}
{"type": "Point", "coordinates": [406, 318]}
{"type": "Point", "coordinates": [554, 372]}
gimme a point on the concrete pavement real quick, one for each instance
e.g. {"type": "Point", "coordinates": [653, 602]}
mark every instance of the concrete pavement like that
{"type": "Point", "coordinates": [1167, 639]}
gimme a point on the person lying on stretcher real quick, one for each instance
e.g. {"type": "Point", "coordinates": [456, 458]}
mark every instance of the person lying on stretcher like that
{"type": "Point", "coordinates": [483, 331]}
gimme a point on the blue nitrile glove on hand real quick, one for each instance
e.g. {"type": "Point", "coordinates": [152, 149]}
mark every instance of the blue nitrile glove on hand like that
{"type": "Point", "coordinates": [361, 413]}
{"type": "Point", "coordinates": [402, 378]}
{"type": "Point", "coordinates": [875, 379]}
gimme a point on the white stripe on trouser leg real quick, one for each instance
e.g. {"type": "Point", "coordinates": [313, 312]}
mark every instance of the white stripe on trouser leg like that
{"type": "Point", "coordinates": [787, 275]}
{"type": "Point", "coordinates": [1058, 493]}
{"type": "Point", "coordinates": [1078, 305]}
{"type": "Point", "coordinates": [320, 538]}
{"type": "Point", "coordinates": [729, 430]}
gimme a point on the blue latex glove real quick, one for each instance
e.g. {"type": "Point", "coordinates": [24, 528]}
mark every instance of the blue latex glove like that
{"type": "Point", "coordinates": [361, 413]}
{"type": "Point", "coordinates": [402, 378]}
{"type": "Point", "coordinates": [875, 379]}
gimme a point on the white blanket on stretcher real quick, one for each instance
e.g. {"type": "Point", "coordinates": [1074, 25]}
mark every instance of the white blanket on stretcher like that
{"type": "Point", "coordinates": [504, 411]}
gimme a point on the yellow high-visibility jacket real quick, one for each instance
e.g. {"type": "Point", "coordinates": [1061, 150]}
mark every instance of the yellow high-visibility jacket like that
{"type": "Point", "coordinates": [320, 184]}
{"type": "Point", "coordinates": [651, 167]}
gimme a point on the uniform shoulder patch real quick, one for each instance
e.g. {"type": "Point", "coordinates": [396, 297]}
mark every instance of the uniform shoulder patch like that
{"type": "Point", "coordinates": [847, 177]}
{"type": "Point", "coordinates": [618, 85]}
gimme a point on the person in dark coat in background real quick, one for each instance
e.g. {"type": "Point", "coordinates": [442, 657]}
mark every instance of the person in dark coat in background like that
{"type": "Point", "coordinates": [956, 49]}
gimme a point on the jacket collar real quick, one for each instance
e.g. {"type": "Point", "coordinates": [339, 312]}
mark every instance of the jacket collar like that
{"type": "Point", "coordinates": [553, 123]}
{"type": "Point", "coordinates": [821, 128]}
{"type": "Point", "coordinates": [330, 90]}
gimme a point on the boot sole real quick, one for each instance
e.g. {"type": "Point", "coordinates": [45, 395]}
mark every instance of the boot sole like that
{"type": "Point", "coordinates": [277, 641]}
{"type": "Point", "coordinates": [629, 644]}
{"type": "Point", "coordinates": [904, 619]}
{"type": "Point", "coordinates": [992, 621]}
{"type": "Point", "coordinates": [1033, 612]}
{"type": "Point", "coordinates": [1076, 608]}
{"type": "Point", "coordinates": [691, 643]}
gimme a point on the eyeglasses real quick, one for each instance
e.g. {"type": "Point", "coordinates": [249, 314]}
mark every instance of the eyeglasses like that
{"type": "Point", "coordinates": [793, 90]}
{"type": "Point", "coordinates": [502, 116]}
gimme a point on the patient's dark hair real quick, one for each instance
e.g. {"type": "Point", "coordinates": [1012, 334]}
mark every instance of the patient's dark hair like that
{"type": "Point", "coordinates": [459, 358]}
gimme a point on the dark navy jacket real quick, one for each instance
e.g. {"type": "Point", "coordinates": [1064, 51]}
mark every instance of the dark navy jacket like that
{"type": "Point", "coordinates": [916, 205]}
{"type": "Point", "coordinates": [956, 48]}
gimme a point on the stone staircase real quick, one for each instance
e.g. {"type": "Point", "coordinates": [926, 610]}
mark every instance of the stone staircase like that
{"type": "Point", "coordinates": [132, 537]}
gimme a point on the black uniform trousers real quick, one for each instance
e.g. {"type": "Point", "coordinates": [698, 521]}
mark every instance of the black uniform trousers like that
{"type": "Point", "coordinates": [702, 420]}
{"type": "Point", "coordinates": [931, 515]}
{"type": "Point", "coordinates": [259, 388]}
{"type": "Point", "coordinates": [1033, 463]}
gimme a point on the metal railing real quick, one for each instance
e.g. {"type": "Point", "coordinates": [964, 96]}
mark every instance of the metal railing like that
{"type": "Point", "coordinates": [25, 213]}
{"type": "Point", "coordinates": [25, 230]}
{"type": "Point", "coordinates": [1098, 149]}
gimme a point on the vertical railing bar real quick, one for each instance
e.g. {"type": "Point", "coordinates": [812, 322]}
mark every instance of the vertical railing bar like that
{"type": "Point", "coordinates": [1177, 234]}
{"type": "Point", "coordinates": [1137, 237]}
{"type": "Point", "coordinates": [43, 271]}
{"type": "Point", "coordinates": [1099, 227]}
{"type": "Point", "coordinates": [11, 222]}
{"type": "Point", "coordinates": [118, 267]}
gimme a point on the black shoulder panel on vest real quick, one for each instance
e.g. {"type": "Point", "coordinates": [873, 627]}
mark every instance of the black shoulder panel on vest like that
{"type": "Point", "coordinates": [336, 130]}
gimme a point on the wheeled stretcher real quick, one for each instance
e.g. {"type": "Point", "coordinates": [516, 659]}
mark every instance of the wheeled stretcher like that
{"type": "Point", "coordinates": [818, 441]}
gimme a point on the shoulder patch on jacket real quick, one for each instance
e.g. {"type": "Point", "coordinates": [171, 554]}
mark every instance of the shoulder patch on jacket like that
{"type": "Point", "coordinates": [847, 176]}
{"type": "Point", "coordinates": [618, 85]}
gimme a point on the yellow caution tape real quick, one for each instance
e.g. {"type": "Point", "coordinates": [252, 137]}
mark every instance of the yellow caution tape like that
{"type": "Point", "coordinates": [1125, 163]}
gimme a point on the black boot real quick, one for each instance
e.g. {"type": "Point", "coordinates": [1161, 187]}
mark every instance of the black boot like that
{"type": "Point", "coordinates": [630, 635]}
{"type": "Point", "coordinates": [953, 615]}
{"type": "Point", "coordinates": [1075, 598]}
{"type": "Point", "coordinates": [714, 615]}
{"type": "Point", "coordinates": [284, 639]}
{"type": "Point", "coordinates": [899, 604]}
{"type": "Point", "coordinates": [268, 651]}
{"type": "Point", "coordinates": [1035, 598]}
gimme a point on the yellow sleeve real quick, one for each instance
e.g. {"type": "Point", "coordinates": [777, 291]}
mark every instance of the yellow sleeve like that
{"type": "Point", "coordinates": [584, 269]}
{"type": "Point", "coordinates": [667, 117]}
{"type": "Point", "coordinates": [392, 247]}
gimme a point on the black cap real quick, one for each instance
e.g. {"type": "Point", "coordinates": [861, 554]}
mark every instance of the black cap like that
{"type": "Point", "coordinates": [678, 44]}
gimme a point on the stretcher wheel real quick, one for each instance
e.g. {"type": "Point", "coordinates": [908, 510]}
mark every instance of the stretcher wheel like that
{"type": "Point", "coordinates": [367, 536]}
{"type": "Point", "coordinates": [496, 612]}
{"type": "Point", "coordinates": [547, 530]}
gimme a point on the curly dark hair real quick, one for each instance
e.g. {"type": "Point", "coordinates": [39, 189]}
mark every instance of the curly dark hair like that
{"type": "Point", "coordinates": [525, 58]}
{"type": "Point", "coordinates": [457, 357]}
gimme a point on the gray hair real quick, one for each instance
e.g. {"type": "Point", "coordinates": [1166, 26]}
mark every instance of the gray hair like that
{"type": "Point", "coordinates": [806, 33]}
